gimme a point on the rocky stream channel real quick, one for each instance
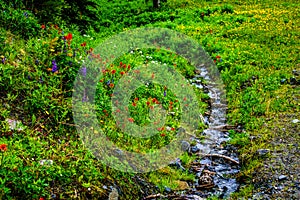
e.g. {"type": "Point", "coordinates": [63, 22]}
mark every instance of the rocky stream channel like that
{"type": "Point", "coordinates": [215, 169]}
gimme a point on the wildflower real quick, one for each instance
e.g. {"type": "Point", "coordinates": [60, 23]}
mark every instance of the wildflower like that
{"type": "Point", "coordinates": [124, 66]}
{"type": "Point", "coordinates": [154, 100]}
{"type": "Point", "coordinates": [108, 82]}
{"type": "Point", "coordinates": [163, 135]}
{"type": "Point", "coordinates": [113, 71]}
{"type": "Point", "coordinates": [218, 56]}
{"type": "Point", "coordinates": [148, 103]}
{"type": "Point", "coordinates": [83, 71]}
{"type": "Point", "coordinates": [83, 44]}
{"type": "Point", "coordinates": [84, 98]}
{"type": "Point", "coordinates": [128, 67]}
{"type": "Point", "coordinates": [165, 93]}
{"type": "Point", "coordinates": [42, 198]}
{"type": "Point", "coordinates": [54, 66]}
{"type": "Point", "coordinates": [3, 147]}
{"type": "Point", "coordinates": [131, 119]}
{"type": "Point", "coordinates": [122, 73]}
{"type": "Point", "coordinates": [111, 85]}
{"type": "Point", "coordinates": [68, 37]}
{"type": "Point", "coordinates": [25, 14]}
{"type": "Point", "coordinates": [152, 75]}
{"type": "Point", "coordinates": [215, 61]}
{"type": "Point", "coordinates": [172, 129]}
{"type": "Point", "coordinates": [134, 104]}
{"type": "Point", "coordinates": [3, 60]}
{"type": "Point", "coordinates": [41, 79]}
{"type": "Point", "coordinates": [121, 64]}
{"type": "Point", "coordinates": [43, 26]}
{"type": "Point", "coordinates": [37, 61]}
{"type": "Point", "coordinates": [136, 99]}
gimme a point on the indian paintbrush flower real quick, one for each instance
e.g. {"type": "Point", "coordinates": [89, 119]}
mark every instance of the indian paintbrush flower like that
{"type": "Point", "coordinates": [3, 147]}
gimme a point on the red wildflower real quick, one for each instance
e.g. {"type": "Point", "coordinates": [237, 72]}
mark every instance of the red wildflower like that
{"type": "Point", "coordinates": [83, 44]}
{"type": "Point", "coordinates": [122, 73]}
{"type": "Point", "coordinates": [172, 129]}
{"type": "Point", "coordinates": [154, 100]}
{"type": "Point", "coordinates": [148, 103]}
{"type": "Point", "coordinates": [163, 135]}
{"type": "Point", "coordinates": [104, 111]}
{"type": "Point", "coordinates": [113, 71]}
{"type": "Point", "coordinates": [111, 85]}
{"type": "Point", "coordinates": [215, 61]}
{"type": "Point", "coordinates": [124, 66]}
{"type": "Point", "coordinates": [218, 56]}
{"type": "Point", "coordinates": [184, 99]}
{"type": "Point", "coordinates": [121, 64]}
{"type": "Point", "coordinates": [131, 119]}
{"type": "Point", "coordinates": [134, 104]}
{"type": "Point", "coordinates": [171, 103]}
{"type": "Point", "coordinates": [43, 26]}
{"type": "Point", "coordinates": [152, 75]}
{"type": "Point", "coordinates": [69, 37]}
{"type": "Point", "coordinates": [128, 67]}
{"type": "Point", "coordinates": [3, 147]}
{"type": "Point", "coordinates": [42, 198]}
{"type": "Point", "coordinates": [136, 99]}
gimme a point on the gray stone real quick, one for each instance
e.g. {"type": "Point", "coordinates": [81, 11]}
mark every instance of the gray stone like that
{"type": "Point", "coordinates": [282, 177]}
{"type": "Point", "coordinates": [262, 152]}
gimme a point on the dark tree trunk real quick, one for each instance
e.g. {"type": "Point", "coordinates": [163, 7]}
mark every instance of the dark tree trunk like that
{"type": "Point", "coordinates": [156, 3]}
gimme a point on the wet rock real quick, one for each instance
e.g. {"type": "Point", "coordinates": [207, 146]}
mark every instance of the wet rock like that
{"type": "Point", "coordinates": [282, 177]}
{"type": "Point", "coordinates": [293, 81]}
{"type": "Point", "coordinates": [282, 81]}
{"type": "Point", "coordinates": [205, 162]}
{"type": "Point", "coordinates": [113, 195]}
{"type": "Point", "coordinates": [220, 168]}
{"type": "Point", "coordinates": [296, 72]}
{"type": "Point", "coordinates": [167, 189]}
{"type": "Point", "coordinates": [262, 152]}
{"type": "Point", "coordinates": [205, 179]}
{"type": "Point", "coordinates": [196, 148]}
{"type": "Point", "coordinates": [185, 146]}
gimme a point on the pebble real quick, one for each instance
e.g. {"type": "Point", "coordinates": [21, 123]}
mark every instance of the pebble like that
{"type": "Point", "coordinates": [282, 177]}
{"type": "Point", "coordinates": [167, 189]}
{"type": "Point", "coordinates": [185, 146]}
{"type": "Point", "coordinates": [262, 152]}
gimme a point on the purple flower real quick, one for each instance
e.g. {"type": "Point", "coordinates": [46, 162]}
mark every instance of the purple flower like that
{"type": "Point", "coordinates": [54, 66]}
{"type": "Point", "coordinates": [84, 98]}
{"type": "Point", "coordinates": [41, 79]}
{"type": "Point", "coordinates": [3, 60]}
{"type": "Point", "coordinates": [83, 71]}
{"type": "Point", "coordinates": [108, 82]}
{"type": "Point", "coordinates": [165, 93]}
{"type": "Point", "coordinates": [37, 61]}
{"type": "Point", "coordinates": [25, 14]}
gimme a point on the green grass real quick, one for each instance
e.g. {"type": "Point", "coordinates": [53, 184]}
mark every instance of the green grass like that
{"type": "Point", "coordinates": [257, 42]}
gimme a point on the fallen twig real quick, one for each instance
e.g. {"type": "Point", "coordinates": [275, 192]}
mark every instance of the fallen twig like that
{"type": "Point", "coordinates": [219, 156]}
